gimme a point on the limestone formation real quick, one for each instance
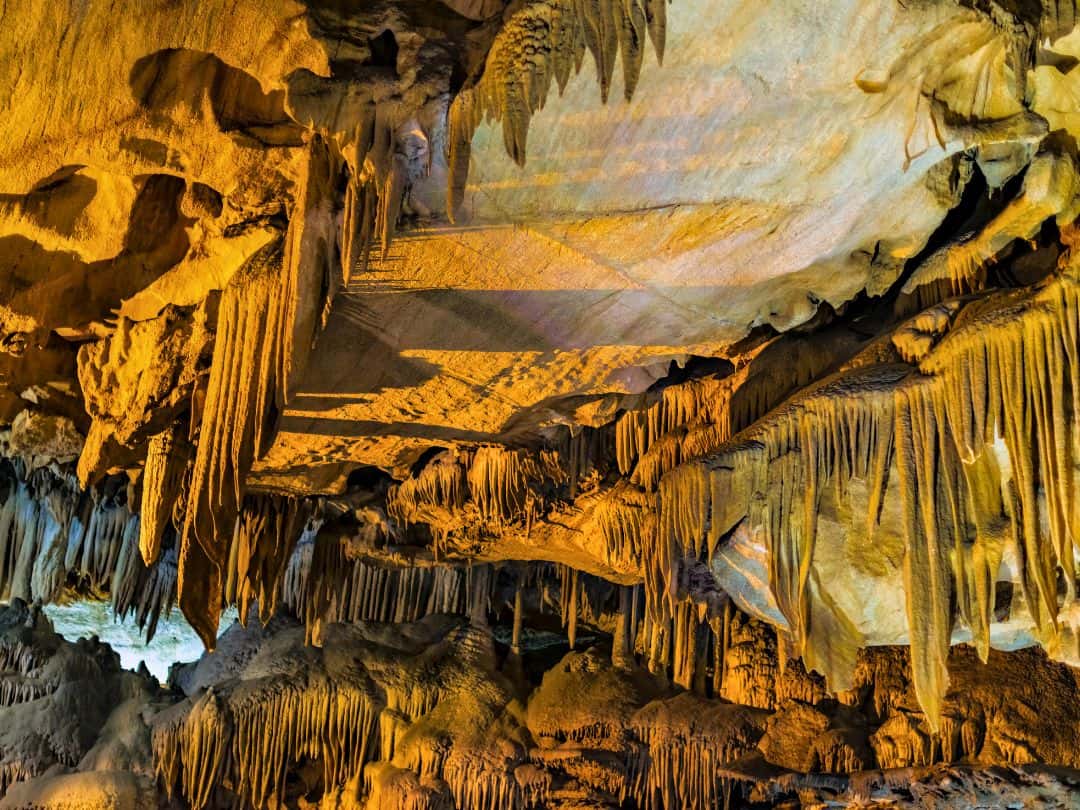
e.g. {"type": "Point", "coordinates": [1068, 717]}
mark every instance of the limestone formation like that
{"type": "Point", "coordinates": [582, 403]}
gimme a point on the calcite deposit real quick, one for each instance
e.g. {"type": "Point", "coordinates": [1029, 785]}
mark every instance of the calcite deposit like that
{"type": "Point", "coordinates": [582, 403]}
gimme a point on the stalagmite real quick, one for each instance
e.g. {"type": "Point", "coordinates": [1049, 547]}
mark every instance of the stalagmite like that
{"type": "Point", "coordinates": [571, 618]}
{"type": "Point", "coordinates": [515, 638]}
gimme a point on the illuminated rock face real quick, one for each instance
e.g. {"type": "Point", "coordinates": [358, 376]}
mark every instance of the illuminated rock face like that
{"type": "Point", "coordinates": [738, 343]}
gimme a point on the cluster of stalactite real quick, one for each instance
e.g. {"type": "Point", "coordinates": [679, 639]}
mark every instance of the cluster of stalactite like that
{"type": "Point", "coordinates": [271, 308]}
{"type": "Point", "coordinates": [12, 772]}
{"type": "Point", "coordinates": [55, 537]}
{"type": "Point", "coordinates": [276, 555]}
{"type": "Point", "coordinates": [19, 657]}
{"type": "Point", "coordinates": [338, 705]}
{"type": "Point", "coordinates": [367, 119]}
{"type": "Point", "coordinates": [242, 398]}
{"type": "Point", "coordinates": [685, 746]}
{"type": "Point", "coordinates": [322, 585]}
{"type": "Point", "coordinates": [249, 737]}
{"type": "Point", "coordinates": [268, 318]}
{"type": "Point", "coordinates": [688, 420]}
{"type": "Point", "coordinates": [624, 518]}
{"type": "Point", "coordinates": [196, 464]}
{"type": "Point", "coordinates": [377, 185]}
{"type": "Point", "coordinates": [486, 487]}
{"type": "Point", "coordinates": [691, 647]}
{"type": "Point", "coordinates": [144, 592]}
{"type": "Point", "coordinates": [423, 723]}
{"type": "Point", "coordinates": [675, 425]}
{"type": "Point", "coordinates": [546, 40]}
{"type": "Point", "coordinates": [1051, 182]}
{"type": "Point", "coordinates": [264, 538]}
{"type": "Point", "coordinates": [1006, 371]}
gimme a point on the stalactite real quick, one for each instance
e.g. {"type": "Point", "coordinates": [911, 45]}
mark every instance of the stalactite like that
{"type": "Point", "coordinates": [56, 511]}
{"type": "Point", "coordinates": [166, 461]}
{"type": "Point", "coordinates": [53, 535]}
{"type": "Point", "coordinates": [478, 586]}
{"type": "Point", "coordinates": [572, 610]}
{"type": "Point", "coordinates": [622, 645]}
{"type": "Point", "coordinates": [322, 585]}
{"type": "Point", "coordinates": [515, 638]}
{"type": "Point", "coordinates": [721, 626]}
{"type": "Point", "coordinates": [264, 538]}
{"type": "Point", "coordinates": [546, 40]}
{"type": "Point", "coordinates": [27, 523]}
{"type": "Point", "coordinates": [688, 668]}
{"type": "Point", "coordinates": [687, 742]}
{"type": "Point", "coordinates": [242, 399]}
{"type": "Point", "coordinates": [1008, 368]}
{"type": "Point", "coordinates": [919, 454]}
{"type": "Point", "coordinates": [462, 121]}
{"type": "Point", "coordinates": [248, 737]}
{"type": "Point", "coordinates": [583, 456]}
